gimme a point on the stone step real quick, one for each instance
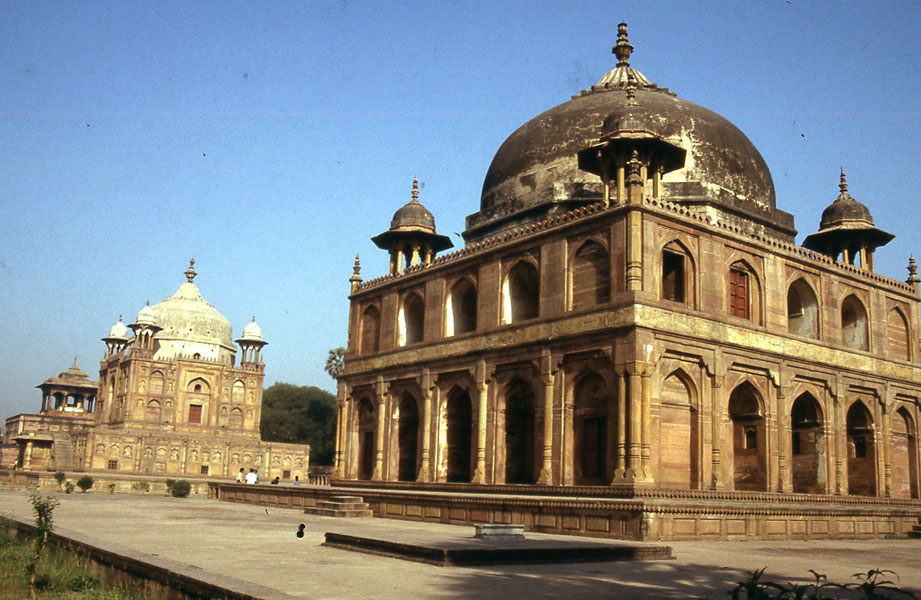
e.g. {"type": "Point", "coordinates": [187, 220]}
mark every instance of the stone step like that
{"type": "Point", "coordinates": [346, 499]}
{"type": "Point", "coordinates": [346, 513]}
{"type": "Point", "coordinates": [341, 505]}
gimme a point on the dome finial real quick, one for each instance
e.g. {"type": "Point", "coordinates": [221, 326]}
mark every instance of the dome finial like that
{"type": "Point", "coordinates": [190, 272]}
{"type": "Point", "coordinates": [843, 185]}
{"type": "Point", "coordinates": [622, 49]}
{"type": "Point", "coordinates": [631, 89]}
{"type": "Point", "coordinates": [415, 190]}
{"type": "Point", "coordinates": [913, 278]}
{"type": "Point", "coordinates": [75, 361]}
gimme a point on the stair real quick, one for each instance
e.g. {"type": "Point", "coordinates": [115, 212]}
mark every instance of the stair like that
{"type": "Point", "coordinates": [915, 530]}
{"type": "Point", "coordinates": [341, 506]}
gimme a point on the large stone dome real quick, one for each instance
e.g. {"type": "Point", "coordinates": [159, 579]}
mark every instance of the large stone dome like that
{"type": "Point", "coordinates": [536, 169]}
{"type": "Point", "coordinates": [190, 325]}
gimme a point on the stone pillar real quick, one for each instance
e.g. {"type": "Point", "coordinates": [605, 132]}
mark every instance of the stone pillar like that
{"type": "Point", "coordinates": [378, 473]}
{"type": "Point", "coordinates": [635, 414]}
{"type": "Point", "coordinates": [425, 468]}
{"type": "Point", "coordinates": [27, 457]}
{"type": "Point", "coordinates": [634, 226]}
{"type": "Point", "coordinates": [479, 473]}
{"type": "Point", "coordinates": [784, 434]}
{"type": "Point", "coordinates": [887, 452]}
{"type": "Point", "coordinates": [620, 472]}
{"type": "Point", "coordinates": [840, 433]}
{"type": "Point", "coordinates": [340, 426]}
{"type": "Point", "coordinates": [716, 421]}
{"type": "Point", "coordinates": [646, 427]}
{"type": "Point", "coordinates": [546, 376]}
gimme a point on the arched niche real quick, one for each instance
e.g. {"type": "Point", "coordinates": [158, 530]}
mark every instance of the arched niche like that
{"type": "Point", "coordinates": [904, 452]}
{"type": "Point", "coordinates": [854, 329]}
{"type": "Point", "coordinates": [521, 293]}
{"type": "Point", "coordinates": [591, 399]}
{"type": "Point", "coordinates": [678, 433]}
{"type": "Point", "coordinates": [520, 425]}
{"type": "Point", "coordinates": [412, 320]}
{"type": "Point", "coordinates": [748, 438]}
{"type": "Point", "coordinates": [370, 334]}
{"type": "Point", "coordinates": [802, 310]}
{"type": "Point", "coordinates": [590, 276]}
{"type": "Point", "coordinates": [459, 424]}
{"type": "Point", "coordinates": [407, 438]}
{"type": "Point", "coordinates": [461, 308]}
{"type": "Point", "coordinates": [861, 451]}
{"type": "Point", "coordinates": [808, 445]}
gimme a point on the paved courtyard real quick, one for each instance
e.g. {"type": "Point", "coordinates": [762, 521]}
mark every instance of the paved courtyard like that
{"type": "Point", "coordinates": [242, 544]}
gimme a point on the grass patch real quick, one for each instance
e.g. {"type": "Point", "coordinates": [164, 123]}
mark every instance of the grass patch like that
{"type": "Point", "coordinates": [57, 578]}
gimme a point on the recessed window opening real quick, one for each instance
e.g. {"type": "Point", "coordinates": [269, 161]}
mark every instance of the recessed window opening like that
{"type": "Point", "coordinates": [673, 276]}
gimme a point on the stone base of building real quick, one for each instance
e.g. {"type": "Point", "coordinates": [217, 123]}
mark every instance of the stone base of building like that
{"type": "Point", "coordinates": [643, 515]}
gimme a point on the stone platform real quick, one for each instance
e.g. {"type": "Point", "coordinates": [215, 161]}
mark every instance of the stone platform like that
{"type": "Point", "coordinates": [471, 551]}
{"type": "Point", "coordinates": [606, 512]}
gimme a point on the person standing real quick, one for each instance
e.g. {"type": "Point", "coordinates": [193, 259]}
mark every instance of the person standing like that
{"type": "Point", "coordinates": [240, 475]}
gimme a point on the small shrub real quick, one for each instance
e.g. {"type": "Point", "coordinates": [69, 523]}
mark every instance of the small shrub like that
{"type": "Point", "coordinates": [181, 488]}
{"type": "Point", "coordinates": [141, 486]}
{"type": "Point", "coordinates": [68, 487]}
{"type": "Point", "coordinates": [60, 477]}
{"type": "Point", "coordinates": [85, 483]}
{"type": "Point", "coordinates": [169, 485]}
{"type": "Point", "coordinates": [111, 488]}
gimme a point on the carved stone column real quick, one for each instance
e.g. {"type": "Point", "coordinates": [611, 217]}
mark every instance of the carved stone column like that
{"type": "Point", "coordinates": [784, 434]}
{"type": "Point", "coordinates": [635, 414]}
{"type": "Point", "coordinates": [621, 471]}
{"type": "Point", "coordinates": [27, 457]}
{"type": "Point", "coordinates": [546, 376]}
{"type": "Point", "coordinates": [377, 474]}
{"type": "Point", "coordinates": [645, 429]}
{"type": "Point", "coordinates": [634, 275]}
{"type": "Point", "coordinates": [340, 426]}
{"type": "Point", "coordinates": [425, 469]}
{"type": "Point", "coordinates": [716, 420]}
{"type": "Point", "coordinates": [887, 451]}
{"type": "Point", "coordinates": [479, 473]}
{"type": "Point", "coordinates": [840, 433]}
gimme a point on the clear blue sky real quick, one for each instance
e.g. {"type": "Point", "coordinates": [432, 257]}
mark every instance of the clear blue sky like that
{"type": "Point", "coordinates": [271, 140]}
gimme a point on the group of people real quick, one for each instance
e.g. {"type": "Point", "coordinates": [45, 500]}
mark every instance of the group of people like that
{"type": "Point", "coordinates": [253, 477]}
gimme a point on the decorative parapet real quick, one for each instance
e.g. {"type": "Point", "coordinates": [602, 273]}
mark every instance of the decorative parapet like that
{"type": "Point", "coordinates": [583, 212]}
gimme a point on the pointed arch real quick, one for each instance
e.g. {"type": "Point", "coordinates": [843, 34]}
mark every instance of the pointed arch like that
{"type": "Point", "coordinates": [238, 395]}
{"type": "Point", "coordinates": [679, 436]}
{"type": "Point", "coordinates": [808, 445]}
{"type": "Point", "coordinates": [520, 425]}
{"type": "Point", "coordinates": [367, 429]}
{"type": "Point", "coordinates": [521, 293]}
{"type": "Point", "coordinates": [370, 334]}
{"type": "Point", "coordinates": [904, 451]}
{"type": "Point", "coordinates": [802, 309]}
{"type": "Point", "coordinates": [854, 327]}
{"type": "Point", "coordinates": [236, 419]}
{"type": "Point", "coordinates": [590, 276]}
{"type": "Point", "coordinates": [461, 307]}
{"type": "Point", "coordinates": [748, 438]}
{"type": "Point", "coordinates": [744, 292]}
{"type": "Point", "coordinates": [152, 412]}
{"type": "Point", "coordinates": [459, 417]}
{"type": "Point", "coordinates": [677, 273]}
{"type": "Point", "coordinates": [898, 334]}
{"type": "Point", "coordinates": [411, 320]}
{"type": "Point", "coordinates": [156, 382]}
{"type": "Point", "coordinates": [591, 399]}
{"type": "Point", "coordinates": [861, 453]}
{"type": "Point", "coordinates": [407, 438]}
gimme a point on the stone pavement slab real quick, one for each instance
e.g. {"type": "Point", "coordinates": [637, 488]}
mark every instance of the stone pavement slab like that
{"type": "Point", "coordinates": [258, 545]}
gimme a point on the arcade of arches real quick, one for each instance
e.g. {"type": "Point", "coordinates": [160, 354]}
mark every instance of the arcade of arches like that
{"type": "Point", "coordinates": [672, 425]}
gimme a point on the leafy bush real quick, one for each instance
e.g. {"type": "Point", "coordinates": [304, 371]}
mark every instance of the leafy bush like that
{"type": "Point", "coordinates": [180, 489]}
{"type": "Point", "coordinates": [60, 477]}
{"type": "Point", "coordinates": [169, 485]}
{"type": "Point", "coordinates": [871, 585]}
{"type": "Point", "coordinates": [68, 487]}
{"type": "Point", "coordinates": [111, 488]}
{"type": "Point", "coordinates": [141, 486]}
{"type": "Point", "coordinates": [85, 483]}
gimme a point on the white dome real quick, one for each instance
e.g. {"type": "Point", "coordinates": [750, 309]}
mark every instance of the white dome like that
{"type": "Point", "coordinates": [252, 331]}
{"type": "Point", "coordinates": [146, 316]}
{"type": "Point", "coordinates": [119, 331]}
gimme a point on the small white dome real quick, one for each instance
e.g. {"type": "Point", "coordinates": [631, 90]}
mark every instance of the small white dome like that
{"type": "Point", "coordinates": [146, 316]}
{"type": "Point", "coordinates": [119, 331]}
{"type": "Point", "coordinates": [252, 331]}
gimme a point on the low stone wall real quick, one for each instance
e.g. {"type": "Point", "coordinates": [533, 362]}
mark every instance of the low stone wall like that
{"type": "Point", "coordinates": [123, 483]}
{"type": "Point", "coordinates": [646, 516]}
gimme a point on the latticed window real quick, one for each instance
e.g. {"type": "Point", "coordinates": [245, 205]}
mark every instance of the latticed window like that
{"type": "Point", "coordinates": [738, 293]}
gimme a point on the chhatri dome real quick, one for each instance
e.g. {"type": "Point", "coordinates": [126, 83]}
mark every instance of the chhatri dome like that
{"type": "Point", "coordinates": [190, 325]}
{"type": "Point", "coordinates": [536, 171]}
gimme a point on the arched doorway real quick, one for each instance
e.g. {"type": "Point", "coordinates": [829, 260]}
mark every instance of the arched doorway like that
{"type": "Point", "coordinates": [590, 415]}
{"type": "Point", "coordinates": [861, 458]}
{"type": "Point", "coordinates": [904, 456]}
{"type": "Point", "coordinates": [519, 433]}
{"type": "Point", "coordinates": [408, 438]}
{"type": "Point", "coordinates": [366, 426]}
{"type": "Point", "coordinates": [748, 439]}
{"type": "Point", "coordinates": [808, 446]}
{"type": "Point", "coordinates": [678, 435]}
{"type": "Point", "coordinates": [459, 430]}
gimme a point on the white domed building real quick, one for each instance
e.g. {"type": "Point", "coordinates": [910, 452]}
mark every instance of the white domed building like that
{"type": "Point", "coordinates": [173, 398]}
{"type": "Point", "coordinates": [631, 321]}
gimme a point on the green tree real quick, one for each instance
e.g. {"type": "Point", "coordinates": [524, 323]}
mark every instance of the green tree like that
{"type": "Point", "coordinates": [335, 362]}
{"type": "Point", "coordinates": [300, 415]}
{"type": "Point", "coordinates": [43, 509]}
{"type": "Point", "coordinates": [85, 483]}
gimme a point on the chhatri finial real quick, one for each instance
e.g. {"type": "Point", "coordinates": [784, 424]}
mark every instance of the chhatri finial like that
{"type": "Point", "coordinates": [254, 318]}
{"type": "Point", "coordinates": [633, 168]}
{"type": "Point", "coordinates": [843, 185]}
{"type": "Point", "coordinates": [913, 278]}
{"type": "Point", "coordinates": [75, 361]}
{"type": "Point", "coordinates": [622, 49]}
{"type": "Point", "coordinates": [190, 272]}
{"type": "Point", "coordinates": [119, 318]}
{"type": "Point", "coordinates": [356, 268]}
{"type": "Point", "coordinates": [415, 190]}
{"type": "Point", "coordinates": [631, 89]}
{"type": "Point", "coordinates": [355, 279]}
